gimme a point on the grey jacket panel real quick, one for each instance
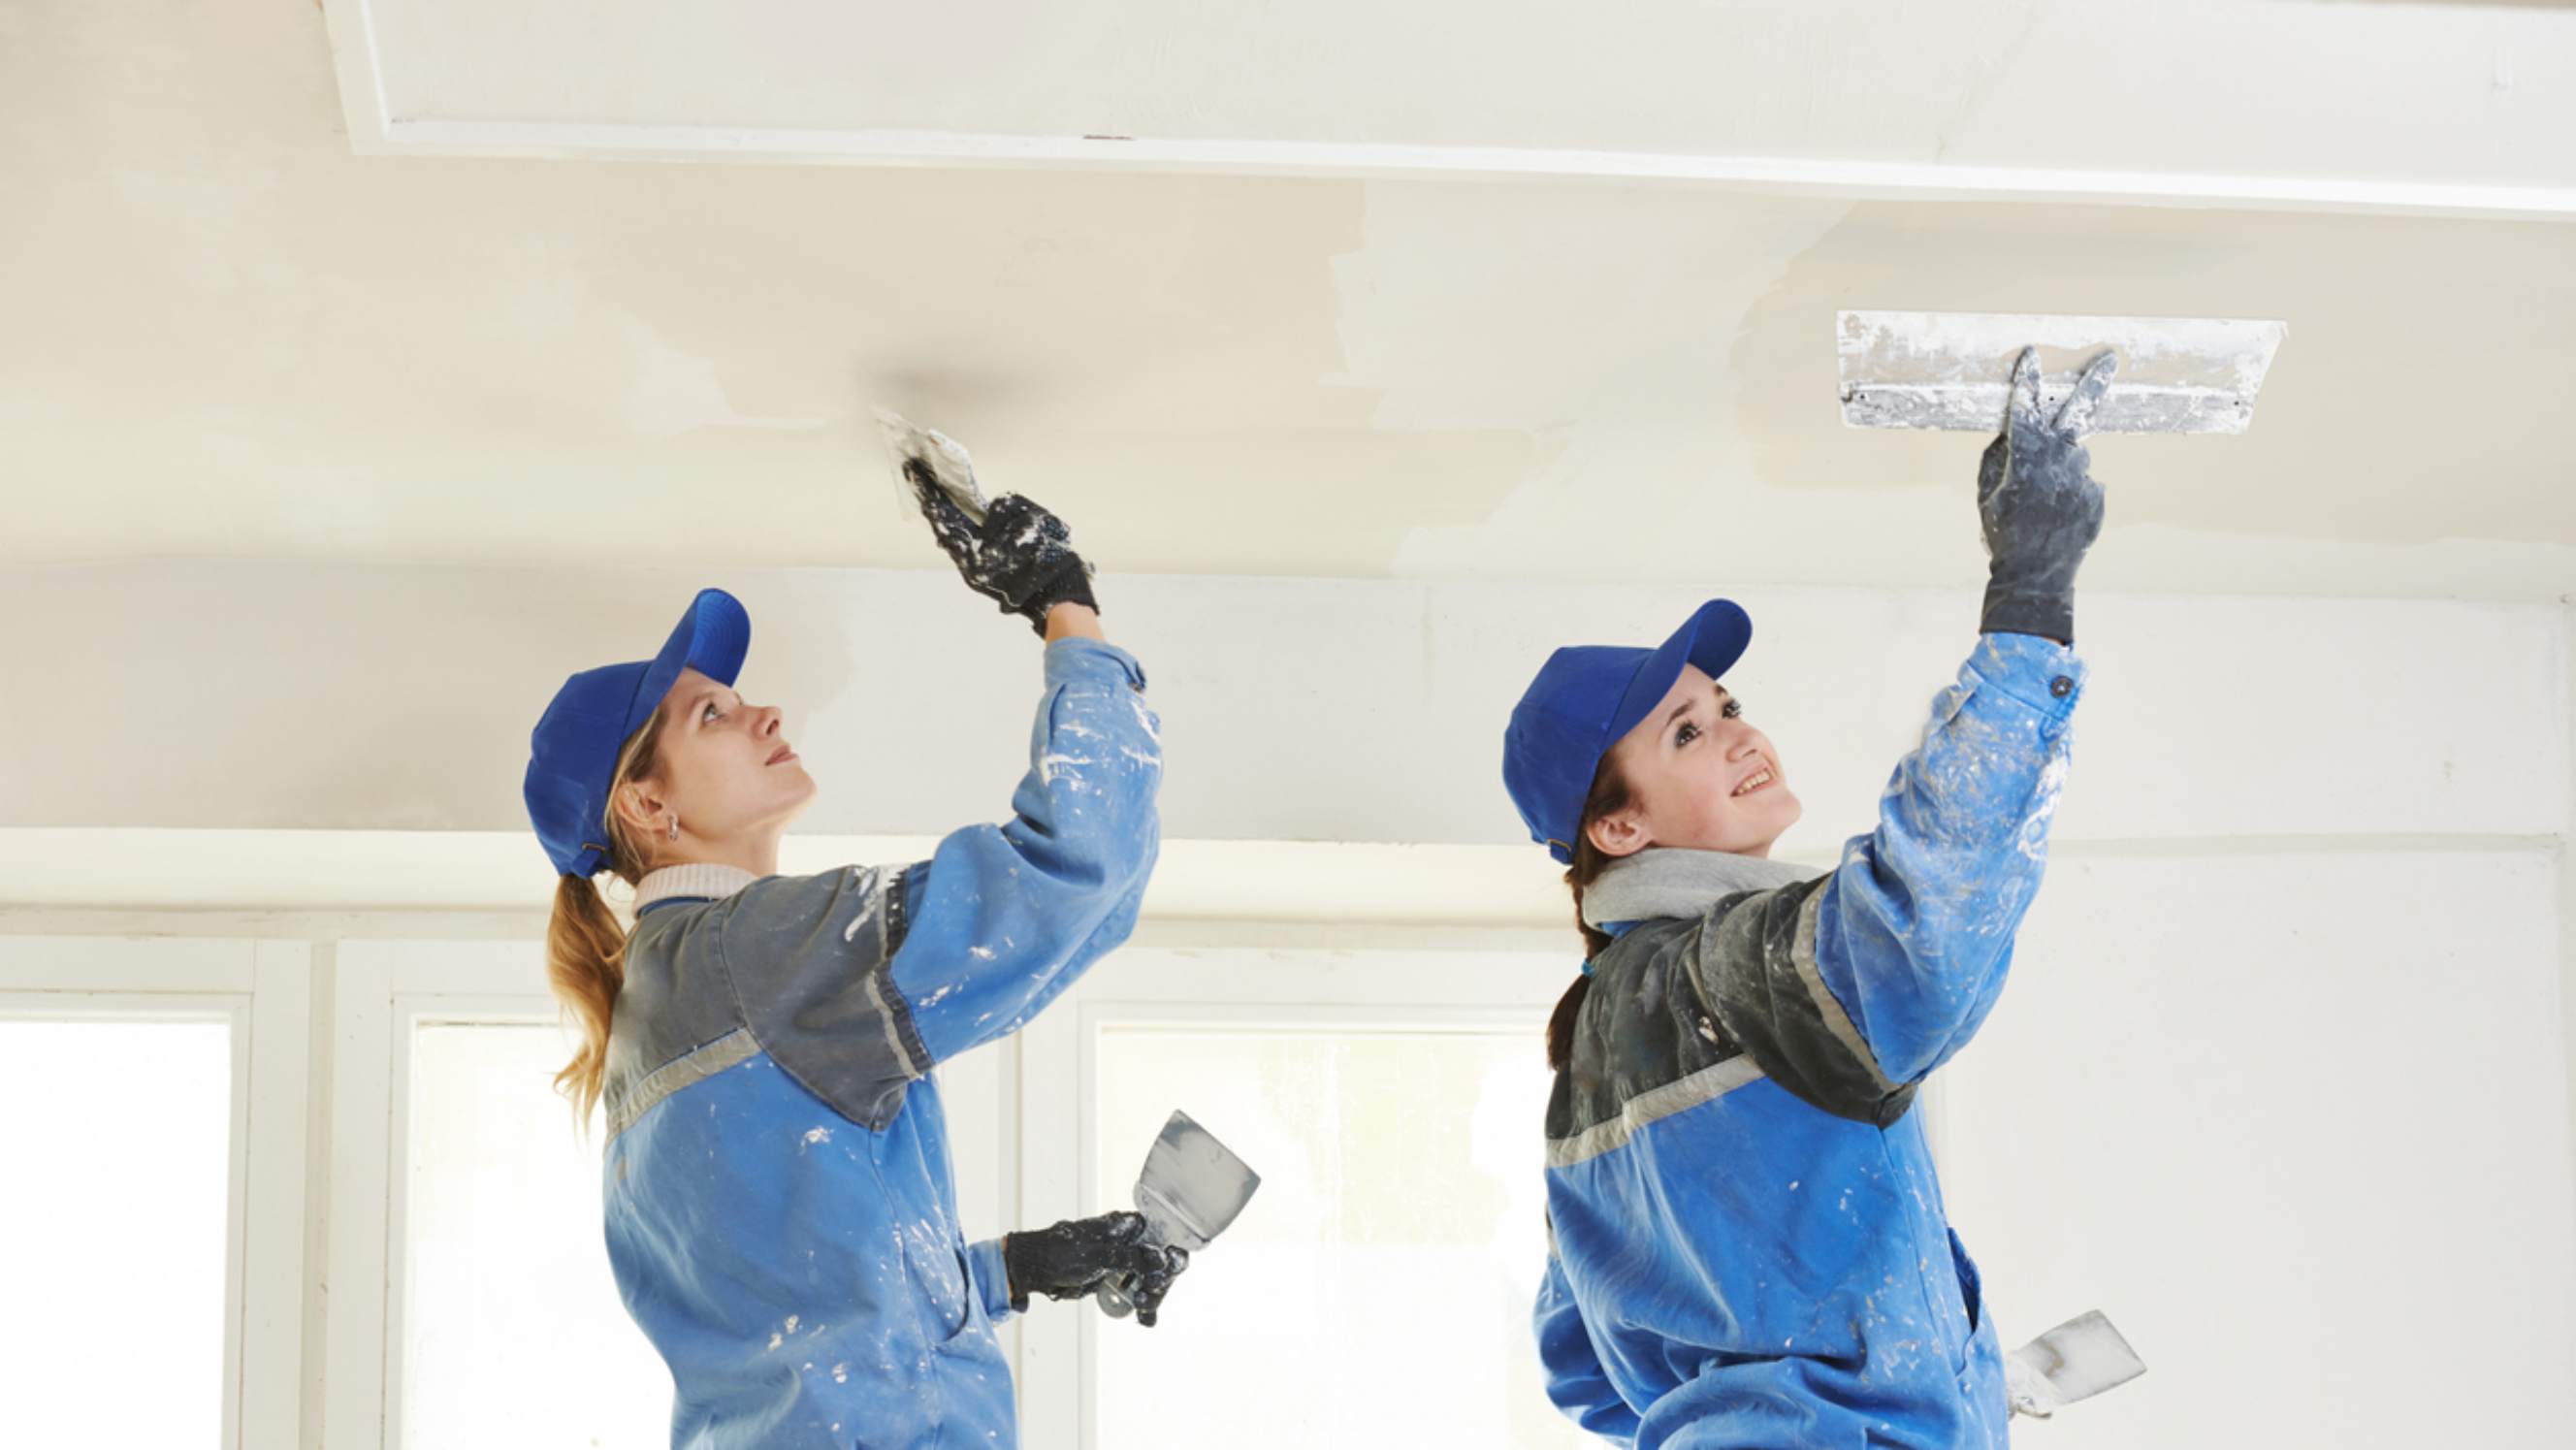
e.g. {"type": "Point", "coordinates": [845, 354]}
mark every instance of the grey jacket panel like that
{"type": "Point", "coordinates": [808, 957]}
{"type": "Point", "coordinates": [673, 1003]}
{"type": "Point", "coordinates": [802, 963]}
{"type": "Point", "coordinates": [1754, 960]}
{"type": "Point", "coordinates": [1643, 1029]}
{"type": "Point", "coordinates": [637, 1096]}
{"type": "Point", "coordinates": [1718, 980]}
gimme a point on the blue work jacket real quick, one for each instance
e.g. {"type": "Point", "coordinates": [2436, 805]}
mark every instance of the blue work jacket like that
{"type": "Point", "coordinates": [781, 1214]}
{"type": "Point", "coordinates": [1748, 1245]}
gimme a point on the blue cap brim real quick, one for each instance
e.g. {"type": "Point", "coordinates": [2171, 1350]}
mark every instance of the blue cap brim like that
{"type": "Point", "coordinates": [711, 638]}
{"type": "Point", "coordinates": [1713, 638]}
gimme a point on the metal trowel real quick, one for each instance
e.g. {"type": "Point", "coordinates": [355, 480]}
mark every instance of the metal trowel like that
{"type": "Point", "coordinates": [2075, 1361]}
{"type": "Point", "coordinates": [1953, 369]}
{"type": "Point", "coordinates": [1192, 1187]}
{"type": "Point", "coordinates": [944, 459]}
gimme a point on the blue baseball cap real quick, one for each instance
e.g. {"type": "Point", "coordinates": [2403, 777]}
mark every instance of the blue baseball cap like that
{"type": "Point", "coordinates": [1584, 699]}
{"type": "Point", "coordinates": [572, 757]}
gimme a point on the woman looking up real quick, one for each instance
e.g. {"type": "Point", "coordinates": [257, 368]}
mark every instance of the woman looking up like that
{"type": "Point", "coordinates": [1748, 1247]}
{"type": "Point", "coordinates": [781, 1215]}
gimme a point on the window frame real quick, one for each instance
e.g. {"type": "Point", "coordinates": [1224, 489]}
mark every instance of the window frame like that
{"type": "Point", "coordinates": [322, 1030]}
{"type": "Point", "coordinates": [1410, 985]}
{"type": "Point", "coordinates": [261, 990]}
{"type": "Point", "coordinates": [387, 989]}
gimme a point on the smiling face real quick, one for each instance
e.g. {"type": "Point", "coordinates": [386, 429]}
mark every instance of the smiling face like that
{"type": "Point", "coordinates": [1698, 776]}
{"type": "Point", "coordinates": [723, 770]}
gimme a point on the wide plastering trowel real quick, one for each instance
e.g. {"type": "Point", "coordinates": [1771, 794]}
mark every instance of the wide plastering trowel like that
{"type": "Point", "coordinates": [1192, 1187]}
{"type": "Point", "coordinates": [2075, 1361]}
{"type": "Point", "coordinates": [1953, 369]}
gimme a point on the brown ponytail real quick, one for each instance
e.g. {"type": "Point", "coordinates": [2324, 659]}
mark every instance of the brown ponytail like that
{"type": "Point", "coordinates": [585, 945]}
{"type": "Point", "coordinates": [1609, 796]}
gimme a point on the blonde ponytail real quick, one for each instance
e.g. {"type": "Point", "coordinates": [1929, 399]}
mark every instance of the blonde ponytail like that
{"type": "Point", "coordinates": [585, 965]}
{"type": "Point", "coordinates": [585, 944]}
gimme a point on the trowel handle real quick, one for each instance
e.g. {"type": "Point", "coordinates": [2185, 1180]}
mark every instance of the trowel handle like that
{"type": "Point", "coordinates": [1112, 1297]}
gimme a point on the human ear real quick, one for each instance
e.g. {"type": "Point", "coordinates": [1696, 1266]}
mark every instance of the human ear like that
{"type": "Point", "coordinates": [1620, 833]}
{"type": "Point", "coordinates": [637, 805]}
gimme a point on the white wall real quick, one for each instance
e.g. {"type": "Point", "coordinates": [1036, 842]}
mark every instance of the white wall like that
{"type": "Point", "coordinates": [314, 696]}
{"type": "Point", "coordinates": [2297, 1120]}
{"type": "Point", "coordinates": [2281, 1082]}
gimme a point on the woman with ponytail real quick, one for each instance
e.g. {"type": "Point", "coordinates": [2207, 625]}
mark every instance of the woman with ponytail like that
{"type": "Point", "coordinates": [1747, 1244]}
{"type": "Point", "coordinates": [780, 1212]}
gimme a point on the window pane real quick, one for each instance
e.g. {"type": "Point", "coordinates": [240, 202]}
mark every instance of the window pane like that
{"type": "Point", "coordinates": [118, 1146]}
{"type": "Point", "coordinates": [513, 1331]}
{"type": "Point", "coordinates": [1377, 1291]}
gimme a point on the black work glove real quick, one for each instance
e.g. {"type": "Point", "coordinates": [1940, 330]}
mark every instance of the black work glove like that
{"type": "Point", "coordinates": [2040, 507]}
{"type": "Point", "coordinates": [1074, 1258]}
{"type": "Point", "coordinates": [1012, 552]}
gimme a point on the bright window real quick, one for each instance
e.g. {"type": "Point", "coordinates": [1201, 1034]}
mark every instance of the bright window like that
{"type": "Point", "coordinates": [513, 1333]}
{"type": "Point", "coordinates": [118, 1143]}
{"type": "Point", "coordinates": [1377, 1291]}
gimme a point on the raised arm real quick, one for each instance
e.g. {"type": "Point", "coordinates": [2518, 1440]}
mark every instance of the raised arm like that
{"type": "Point", "coordinates": [1003, 918]}
{"type": "Point", "coordinates": [1851, 989]}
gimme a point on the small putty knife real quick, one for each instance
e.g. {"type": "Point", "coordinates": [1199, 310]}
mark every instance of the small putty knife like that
{"type": "Point", "coordinates": [949, 466]}
{"type": "Point", "coordinates": [1192, 1187]}
{"type": "Point", "coordinates": [2075, 1361]}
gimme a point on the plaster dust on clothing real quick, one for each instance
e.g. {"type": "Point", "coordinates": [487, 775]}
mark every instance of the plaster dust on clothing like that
{"type": "Point", "coordinates": [858, 923]}
{"type": "Point", "coordinates": [1052, 761]}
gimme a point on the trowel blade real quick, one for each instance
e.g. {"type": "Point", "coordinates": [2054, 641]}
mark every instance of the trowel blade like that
{"type": "Point", "coordinates": [1193, 1185]}
{"type": "Point", "coordinates": [2078, 1359]}
{"type": "Point", "coordinates": [1952, 370]}
{"type": "Point", "coordinates": [949, 466]}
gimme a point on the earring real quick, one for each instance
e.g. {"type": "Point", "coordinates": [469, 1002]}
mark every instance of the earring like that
{"type": "Point", "coordinates": [675, 828]}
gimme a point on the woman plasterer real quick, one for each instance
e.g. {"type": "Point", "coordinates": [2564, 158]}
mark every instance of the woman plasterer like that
{"type": "Point", "coordinates": [1749, 1248]}
{"type": "Point", "coordinates": [781, 1215]}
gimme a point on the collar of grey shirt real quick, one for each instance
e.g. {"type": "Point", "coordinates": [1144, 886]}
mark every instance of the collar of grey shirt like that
{"type": "Point", "coordinates": [1663, 881]}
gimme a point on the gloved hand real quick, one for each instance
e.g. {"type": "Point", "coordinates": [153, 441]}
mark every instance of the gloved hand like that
{"type": "Point", "coordinates": [2040, 507]}
{"type": "Point", "coordinates": [1073, 1258]}
{"type": "Point", "coordinates": [1013, 552]}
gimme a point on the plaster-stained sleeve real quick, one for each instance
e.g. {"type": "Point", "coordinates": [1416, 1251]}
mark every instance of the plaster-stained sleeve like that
{"type": "Point", "coordinates": [1009, 916]}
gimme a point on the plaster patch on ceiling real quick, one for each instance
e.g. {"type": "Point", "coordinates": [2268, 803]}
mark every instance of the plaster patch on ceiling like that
{"type": "Point", "coordinates": [2310, 467]}
{"type": "Point", "coordinates": [1607, 326]}
{"type": "Point", "coordinates": [372, 358]}
{"type": "Point", "coordinates": [668, 392]}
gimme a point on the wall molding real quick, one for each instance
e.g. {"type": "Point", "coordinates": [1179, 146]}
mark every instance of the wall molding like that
{"type": "Point", "coordinates": [1835, 176]}
{"type": "Point", "coordinates": [156, 881]}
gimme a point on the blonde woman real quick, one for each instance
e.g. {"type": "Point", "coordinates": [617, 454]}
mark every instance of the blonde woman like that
{"type": "Point", "coordinates": [781, 1216]}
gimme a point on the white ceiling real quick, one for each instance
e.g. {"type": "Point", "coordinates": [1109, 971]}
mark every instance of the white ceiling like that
{"type": "Point", "coordinates": [229, 335]}
{"type": "Point", "coordinates": [2440, 104]}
